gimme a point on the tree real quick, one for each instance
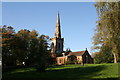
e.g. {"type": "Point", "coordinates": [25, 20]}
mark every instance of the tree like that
{"type": "Point", "coordinates": [68, 50]}
{"type": "Point", "coordinates": [21, 45]}
{"type": "Point", "coordinates": [108, 27]}
{"type": "Point", "coordinates": [31, 49]}
{"type": "Point", "coordinates": [24, 46]}
{"type": "Point", "coordinates": [33, 46]}
{"type": "Point", "coordinates": [7, 33]}
{"type": "Point", "coordinates": [42, 54]}
{"type": "Point", "coordinates": [104, 55]}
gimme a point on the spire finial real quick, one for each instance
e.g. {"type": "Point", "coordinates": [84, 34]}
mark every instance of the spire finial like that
{"type": "Point", "coordinates": [58, 17]}
{"type": "Point", "coordinates": [58, 11]}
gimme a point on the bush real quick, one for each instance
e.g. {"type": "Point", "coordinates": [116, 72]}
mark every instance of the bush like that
{"type": "Point", "coordinates": [103, 58]}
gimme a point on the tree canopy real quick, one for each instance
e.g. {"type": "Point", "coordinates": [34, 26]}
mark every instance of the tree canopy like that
{"type": "Point", "coordinates": [107, 33]}
{"type": "Point", "coordinates": [24, 48]}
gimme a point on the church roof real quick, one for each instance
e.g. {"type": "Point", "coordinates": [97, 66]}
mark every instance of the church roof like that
{"type": "Point", "coordinates": [78, 53]}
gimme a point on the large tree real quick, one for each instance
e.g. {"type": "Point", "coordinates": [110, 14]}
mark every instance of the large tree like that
{"type": "Point", "coordinates": [42, 53]}
{"type": "Point", "coordinates": [32, 47]}
{"type": "Point", "coordinates": [7, 33]}
{"type": "Point", "coordinates": [21, 45]}
{"type": "Point", "coordinates": [24, 46]}
{"type": "Point", "coordinates": [104, 55]}
{"type": "Point", "coordinates": [108, 27]}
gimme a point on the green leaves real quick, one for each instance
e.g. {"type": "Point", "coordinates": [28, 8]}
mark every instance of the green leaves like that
{"type": "Point", "coordinates": [24, 46]}
{"type": "Point", "coordinates": [108, 27]}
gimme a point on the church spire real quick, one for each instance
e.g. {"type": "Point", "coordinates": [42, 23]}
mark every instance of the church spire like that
{"type": "Point", "coordinates": [58, 31]}
{"type": "Point", "coordinates": [57, 41]}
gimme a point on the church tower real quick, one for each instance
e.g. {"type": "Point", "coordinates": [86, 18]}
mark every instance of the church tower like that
{"type": "Point", "coordinates": [57, 41]}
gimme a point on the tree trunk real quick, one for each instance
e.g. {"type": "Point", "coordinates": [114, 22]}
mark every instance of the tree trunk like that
{"type": "Point", "coordinates": [115, 58]}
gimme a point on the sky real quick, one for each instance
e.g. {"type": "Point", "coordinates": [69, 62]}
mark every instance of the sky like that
{"type": "Point", "coordinates": [78, 20]}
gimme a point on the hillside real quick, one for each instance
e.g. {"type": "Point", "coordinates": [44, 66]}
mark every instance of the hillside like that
{"type": "Point", "coordinates": [67, 72]}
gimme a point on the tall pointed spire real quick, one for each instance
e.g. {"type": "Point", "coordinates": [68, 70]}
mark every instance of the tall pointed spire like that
{"type": "Point", "coordinates": [57, 41]}
{"type": "Point", "coordinates": [58, 31]}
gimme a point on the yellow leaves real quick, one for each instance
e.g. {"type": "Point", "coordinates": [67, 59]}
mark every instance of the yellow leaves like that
{"type": "Point", "coordinates": [7, 33]}
{"type": "Point", "coordinates": [4, 39]}
{"type": "Point", "coordinates": [108, 28]}
{"type": "Point", "coordinates": [33, 33]}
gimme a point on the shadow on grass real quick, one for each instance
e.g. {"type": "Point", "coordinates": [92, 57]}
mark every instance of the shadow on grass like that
{"type": "Point", "coordinates": [106, 79]}
{"type": "Point", "coordinates": [80, 73]}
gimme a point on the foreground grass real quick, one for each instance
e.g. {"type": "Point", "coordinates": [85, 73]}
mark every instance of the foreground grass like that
{"type": "Point", "coordinates": [67, 72]}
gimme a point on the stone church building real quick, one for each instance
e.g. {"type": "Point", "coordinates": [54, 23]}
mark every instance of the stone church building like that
{"type": "Point", "coordinates": [63, 57]}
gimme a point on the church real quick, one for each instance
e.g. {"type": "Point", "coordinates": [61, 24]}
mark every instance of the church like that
{"type": "Point", "coordinates": [67, 57]}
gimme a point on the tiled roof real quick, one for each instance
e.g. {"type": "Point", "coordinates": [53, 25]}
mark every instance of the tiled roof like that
{"type": "Point", "coordinates": [78, 53]}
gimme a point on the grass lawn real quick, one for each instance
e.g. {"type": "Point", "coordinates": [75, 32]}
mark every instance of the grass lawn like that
{"type": "Point", "coordinates": [67, 72]}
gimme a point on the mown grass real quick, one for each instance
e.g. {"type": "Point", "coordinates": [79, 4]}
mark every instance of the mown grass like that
{"type": "Point", "coordinates": [67, 72]}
